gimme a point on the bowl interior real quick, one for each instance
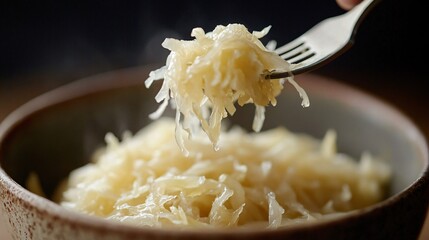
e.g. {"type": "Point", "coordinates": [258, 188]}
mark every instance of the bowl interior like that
{"type": "Point", "coordinates": [58, 131]}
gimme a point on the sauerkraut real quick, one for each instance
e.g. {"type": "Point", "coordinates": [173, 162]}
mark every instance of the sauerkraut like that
{"type": "Point", "coordinates": [269, 179]}
{"type": "Point", "coordinates": [234, 179]}
{"type": "Point", "coordinates": [206, 76]}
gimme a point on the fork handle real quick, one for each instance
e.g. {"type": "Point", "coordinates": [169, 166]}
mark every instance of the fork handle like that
{"type": "Point", "coordinates": [355, 16]}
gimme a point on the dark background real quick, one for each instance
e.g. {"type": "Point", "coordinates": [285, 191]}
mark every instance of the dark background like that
{"type": "Point", "coordinates": [77, 38]}
{"type": "Point", "coordinates": [50, 43]}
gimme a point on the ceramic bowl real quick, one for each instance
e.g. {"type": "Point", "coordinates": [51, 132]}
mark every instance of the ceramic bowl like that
{"type": "Point", "coordinates": [56, 132]}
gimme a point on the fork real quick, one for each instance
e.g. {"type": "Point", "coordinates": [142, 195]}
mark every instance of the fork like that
{"type": "Point", "coordinates": [323, 42]}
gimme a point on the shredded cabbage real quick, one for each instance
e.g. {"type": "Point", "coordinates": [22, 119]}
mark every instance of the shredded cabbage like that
{"type": "Point", "coordinates": [206, 76]}
{"type": "Point", "coordinates": [270, 179]}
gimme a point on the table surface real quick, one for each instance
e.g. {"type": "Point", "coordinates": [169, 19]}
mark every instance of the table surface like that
{"type": "Point", "coordinates": [411, 99]}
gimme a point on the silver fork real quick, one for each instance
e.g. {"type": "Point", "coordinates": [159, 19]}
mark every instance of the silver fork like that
{"type": "Point", "coordinates": [323, 42]}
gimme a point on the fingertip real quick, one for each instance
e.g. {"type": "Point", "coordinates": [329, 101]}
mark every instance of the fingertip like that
{"type": "Point", "coordinates": [348, 4]}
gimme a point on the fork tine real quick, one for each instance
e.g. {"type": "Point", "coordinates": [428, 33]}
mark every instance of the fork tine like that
{"type": "Point", "coordinates": [302, 57]}
{"type": "Point", "coordinates": [289, 46]}
{"type": "Point", "coordinates": [295, 52]}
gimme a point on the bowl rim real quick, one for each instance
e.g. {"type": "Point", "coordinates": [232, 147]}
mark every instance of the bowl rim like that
{"type": "Point", "coordinates": [100, 83]}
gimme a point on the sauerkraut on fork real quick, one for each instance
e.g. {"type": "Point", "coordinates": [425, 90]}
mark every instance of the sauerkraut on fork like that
{"type": "Point", "coordinates": [205, 77]}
